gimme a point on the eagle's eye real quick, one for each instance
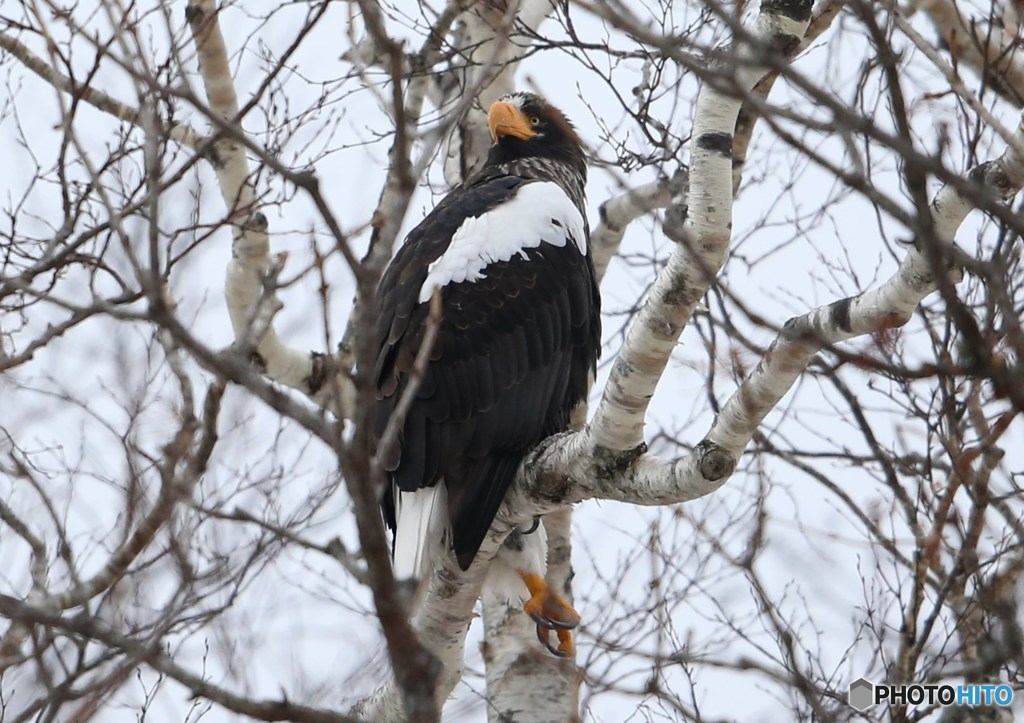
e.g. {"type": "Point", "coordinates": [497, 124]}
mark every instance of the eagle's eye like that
{"type": "Point", "coordinates": [534, 120]}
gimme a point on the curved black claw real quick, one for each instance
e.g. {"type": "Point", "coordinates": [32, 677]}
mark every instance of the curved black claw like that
{"type": "Point", "coordinates": [544, 636]}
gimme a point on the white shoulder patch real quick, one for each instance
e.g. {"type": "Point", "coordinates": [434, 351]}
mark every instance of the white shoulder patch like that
{"type": "Point", "coordinates": [539, 213]}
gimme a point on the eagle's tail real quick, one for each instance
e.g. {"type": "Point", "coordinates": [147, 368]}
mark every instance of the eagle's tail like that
{"type": "Point", "coordinates": [472, 517]}
{"type": "Point", "coordinates": [420, 521]}
{"type": "Point", "coordinates": [421, 516]}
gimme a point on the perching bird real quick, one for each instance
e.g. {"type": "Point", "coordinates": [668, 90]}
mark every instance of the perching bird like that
{"type": "Point", "coordinates": [517, 344]}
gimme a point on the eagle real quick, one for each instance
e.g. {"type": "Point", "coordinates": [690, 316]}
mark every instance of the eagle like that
{"type": "Point", "coordinates": [515, 350]}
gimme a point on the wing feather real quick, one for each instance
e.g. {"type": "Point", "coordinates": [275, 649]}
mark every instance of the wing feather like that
{"type": "Point", "coordinates": [519, 327]}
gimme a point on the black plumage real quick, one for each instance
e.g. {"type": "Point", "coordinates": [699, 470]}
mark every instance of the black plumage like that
{"type": "Point", "coordinates": [518, 338]}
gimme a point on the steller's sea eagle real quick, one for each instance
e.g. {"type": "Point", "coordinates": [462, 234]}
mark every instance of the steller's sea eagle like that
{"type": "Point", "coordinates": [516, 348]}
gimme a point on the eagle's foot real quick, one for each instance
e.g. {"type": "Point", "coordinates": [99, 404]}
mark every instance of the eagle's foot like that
{"type": "Point", "coordinates": [551, 612]}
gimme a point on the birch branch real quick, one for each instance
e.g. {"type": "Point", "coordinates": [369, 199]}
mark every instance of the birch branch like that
{"type": "Point", "coordinates": [598, 473]}
{"type": "Point", "coordinates": [821, 20]}
{"type": "Point", "coordinates": [441, 623]}
{"type": "Point", "coordinates": [516, 669]}
{"type": "Point", "coordinates": [249, 289]}
{"type": "Point", "coordinates": [618, 423]}
{"type": "Point", "coordinates": [987, 49]}
{"type": "Point", "coordinates": [524, 683]}
{"type": "Point", "coordinates": [617, 213]}
{"type": "Point", "coordinates": [490, 63]}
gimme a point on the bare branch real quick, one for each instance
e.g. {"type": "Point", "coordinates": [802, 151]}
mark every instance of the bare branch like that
{"type": "Point", "coordinates": [985, 48]}
{"type": "Point", "coordinates": [181, 134]}
{"type": "Point", "coordinates": [617, 213]}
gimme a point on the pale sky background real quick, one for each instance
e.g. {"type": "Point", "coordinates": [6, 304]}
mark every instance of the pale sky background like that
{"type": "Point", "coordinates": [305, 627]}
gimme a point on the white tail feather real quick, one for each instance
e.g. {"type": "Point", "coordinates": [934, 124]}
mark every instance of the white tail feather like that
{"type": "Point", "coordinates": [420, 520]}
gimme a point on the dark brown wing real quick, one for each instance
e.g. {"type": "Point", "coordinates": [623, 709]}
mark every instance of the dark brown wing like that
{"type": "Point", "coordinates": [516, 345]}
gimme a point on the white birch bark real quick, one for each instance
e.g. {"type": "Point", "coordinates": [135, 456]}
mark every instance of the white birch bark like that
{"type": "Point", "coordinates": [617, 213]}
{"type": "Point", "coordinates": [825, 11]}
{"type": "Point", "coordinates": [618, 424]}
{"type": "Point", "coordinates": [525, 683]}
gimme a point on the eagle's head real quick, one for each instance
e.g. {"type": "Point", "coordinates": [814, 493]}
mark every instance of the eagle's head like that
{"type": "Point", "coordinates": [524, 125]}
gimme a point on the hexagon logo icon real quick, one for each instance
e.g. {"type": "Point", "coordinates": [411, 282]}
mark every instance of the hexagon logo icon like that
{"type": "Point", "coordinates": [861, 695]}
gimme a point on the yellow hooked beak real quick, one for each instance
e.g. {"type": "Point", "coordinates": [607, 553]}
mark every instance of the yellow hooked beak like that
{"type": "Point", "coordinates": [507, 120]}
